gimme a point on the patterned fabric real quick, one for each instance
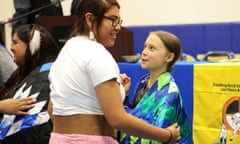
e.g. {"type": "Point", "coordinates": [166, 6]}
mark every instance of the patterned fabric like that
{"type": "Point", "coordinates": [161, 106]}
{"type": "Point", "coordinates": [35, 85]}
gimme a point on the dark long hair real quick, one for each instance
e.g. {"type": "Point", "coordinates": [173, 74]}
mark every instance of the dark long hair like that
{"type": "Point", "coordinates": [46, 52]}
{"type": "Point", "coordinates": [97, 7]}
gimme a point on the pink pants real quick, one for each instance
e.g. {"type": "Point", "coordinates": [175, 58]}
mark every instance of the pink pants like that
{"type": "Point", "coordinates": [57, 138]}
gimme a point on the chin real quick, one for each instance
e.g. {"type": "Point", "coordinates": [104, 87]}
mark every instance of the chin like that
{"type": "Point", "coordinates": [16, 62]}
{"type": "Point", "coordinates": [143, 66]}
{"type": "Point", "coordinates": [110, 45]}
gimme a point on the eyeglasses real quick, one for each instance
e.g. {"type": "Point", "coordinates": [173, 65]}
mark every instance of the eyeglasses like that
{"type": "Point", "coordinates": [115, 20]}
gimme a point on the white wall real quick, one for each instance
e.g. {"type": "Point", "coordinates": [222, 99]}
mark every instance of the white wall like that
{"type": "Point", "coordinates": [7, 10]}
{"type": "Point", "coordinates": [157, 12]}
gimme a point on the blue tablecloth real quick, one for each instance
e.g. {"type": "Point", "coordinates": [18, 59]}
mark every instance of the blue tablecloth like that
{"type": "Point", "coordinates": [182, 72]}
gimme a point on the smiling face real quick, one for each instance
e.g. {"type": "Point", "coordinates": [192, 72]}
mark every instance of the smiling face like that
{"type": "Point", "coordinates": [18, 48]}
{"type": "Point", "coordinates": [107, 33]}
{"type": "Point", "coordinates": [155, 56]}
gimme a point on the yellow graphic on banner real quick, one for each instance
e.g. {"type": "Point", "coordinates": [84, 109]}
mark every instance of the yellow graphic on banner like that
{"type": "Point", "coordinates": [216, 118]}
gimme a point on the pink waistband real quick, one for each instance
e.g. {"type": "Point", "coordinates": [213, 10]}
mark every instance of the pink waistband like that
{"type": "Point", "coordinates": [57, 138]}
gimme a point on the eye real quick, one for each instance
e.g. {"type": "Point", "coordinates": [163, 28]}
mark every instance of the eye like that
{"type": "Point", "coordinates": [144, 46]}
{"type": "Point", "coordinates": [151, 48]}
{"type": "Point", "coordinates": [115, 20]}
{"type": "Point", "coordinates": [14, 42]}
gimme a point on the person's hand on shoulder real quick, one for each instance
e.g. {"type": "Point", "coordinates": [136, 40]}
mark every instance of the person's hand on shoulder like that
{"type": "Point", "coordinates": [17, 106]}
{"type": "Point", "coordinates": [174, 134]}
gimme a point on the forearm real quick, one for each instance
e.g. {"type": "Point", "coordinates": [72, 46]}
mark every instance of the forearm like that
{"type": "Point", "coordinates": [118, 118]}
{"type": "Point", "coordinates": [1, 107]}
{"type": "Point", "coordinates": [140, 128]}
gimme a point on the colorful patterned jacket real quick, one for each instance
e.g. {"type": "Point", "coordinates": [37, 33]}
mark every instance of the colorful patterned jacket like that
{"type": "Point", "coordinates": [36, 127]}
{"type": "Point", "coordinates": [161, 106]}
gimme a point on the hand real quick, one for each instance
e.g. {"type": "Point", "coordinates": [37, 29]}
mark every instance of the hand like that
{"type": "Point", "coordinates": [16, 106]}
{"type": "Point", "coordinates": [175, 132]}
{"type": "Point", "coordinates": [125, 81]}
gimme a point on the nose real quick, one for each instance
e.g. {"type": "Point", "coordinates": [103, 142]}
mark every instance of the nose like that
{"type": "Point", "coordinates": [144, 52]}
{"type": "Point", "coordinates": [12, 48]}
{"type": "Point", "coordinates": [118, 27]}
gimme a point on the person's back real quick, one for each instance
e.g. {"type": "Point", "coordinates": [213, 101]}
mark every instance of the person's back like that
{"type": "Point", "coordinates": [74, 6]}
{"type": "Point", "coordinates": [24, 6]}
{"type": "Point", "coordinates": [7, 66]}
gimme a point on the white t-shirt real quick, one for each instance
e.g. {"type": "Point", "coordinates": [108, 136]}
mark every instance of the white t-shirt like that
{"type": "Point", "coordinates": [81, 65]}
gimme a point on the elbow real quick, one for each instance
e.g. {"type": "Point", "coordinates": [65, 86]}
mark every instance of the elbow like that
{"type": "Point", "coordinates": [116, 121]}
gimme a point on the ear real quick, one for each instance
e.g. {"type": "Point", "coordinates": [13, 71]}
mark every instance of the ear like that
{"type": "Point", "coordinates": [170, 57]}
{"type": "Point", "coordinates": [89, 20]}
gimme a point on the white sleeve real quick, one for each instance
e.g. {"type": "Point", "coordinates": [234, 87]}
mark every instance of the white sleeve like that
{"type": "Point", "coordinates": [103, 67]}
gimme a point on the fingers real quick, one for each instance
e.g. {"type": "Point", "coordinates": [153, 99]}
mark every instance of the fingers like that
{"type": "Point", "coordinates": [175, 130]}
{"type": "Point", "coordinates": [22, 113]}
{"type": "Point", "coordinates": [178, 139]}
{"type": "Point", "coordinates": [26, 103]}
{"type": "Point", "coordinates": [124, 76]}
{"type": "Point", "coordinates": [26, 106]}
{"type": "Point", "coordinates": [176, 125]}
{"type": "Point", "coordinates": [178, 132]}
{"type": "Point", "coordinates": [125, 79]}
{"type": "Point", "coordinates": [27, 100]}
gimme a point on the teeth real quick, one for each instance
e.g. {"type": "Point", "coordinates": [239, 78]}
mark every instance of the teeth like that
{"type": "Point", "coordinates": [114, 36]}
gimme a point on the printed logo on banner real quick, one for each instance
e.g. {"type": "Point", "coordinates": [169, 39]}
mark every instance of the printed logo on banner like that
{"type": "Point", "coordinates": [231, 116]}
{"type": "Point", "coordinates": [216, 118]}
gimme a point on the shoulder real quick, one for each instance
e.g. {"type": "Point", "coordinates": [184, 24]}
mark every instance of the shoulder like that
{"type": "Point", "coordinates": [39, 74]}
{"type": "Point", "coordinates": [38, 78]}
{"type": "Point", "coordinates": [87, 49]}
{"type": "Point", "coordinates": [173, 87]}
{"type": "Point", "coordinates": [6, 61]}
{"type": "Point", "coordinates": [83, 44]}
{"type": "Point", "coordinates": [45, 67]}
{"type": "Point", "coordinates": [4, 52]}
